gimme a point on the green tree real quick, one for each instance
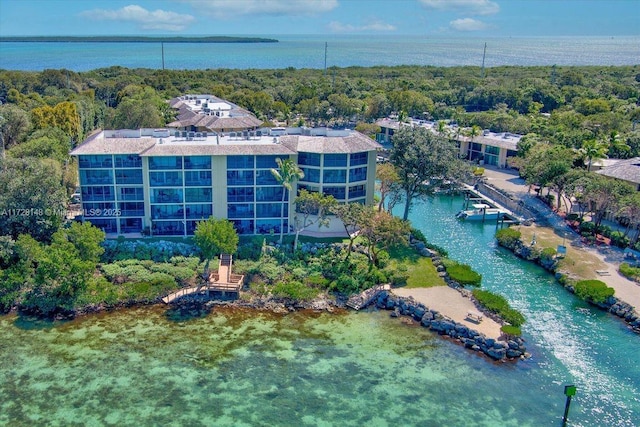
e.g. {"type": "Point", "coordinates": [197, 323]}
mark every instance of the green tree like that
{"type": "Point", "coordinates": [287, 174]}
{"type": "Point", "coordinates": [87, 239]}
{"type": "Point", "coordinates": [312, 208]}
{"type": "Point", "coordinates": [14, 125]}
{"type": "Point", "coordinates": [381, 230]}
{"type": "Point", "coordinates": [351, 215]}
{"type": "Point", "coordinates": [593, 150]}
{"type": "Point", "coordinates": [423, 161]}
{"type": "Point", "coordinates": [214, 237]}
{"type": "Point", "coordinates": [604, 195]}
{"type": "Point", "coordinates": [388, 186]}
{"type": "Point", "coordinates": [630, 211]}
{"type": "Point", "coordinates": [32, 197]}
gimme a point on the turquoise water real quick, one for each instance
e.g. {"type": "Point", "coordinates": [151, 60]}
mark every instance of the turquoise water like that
{"type": "Point", "coordinates": [150, 366]}
{"type": "Point", "coordinates": [309, 52]}
{"type": "Point", "coordinates": [570, 341]}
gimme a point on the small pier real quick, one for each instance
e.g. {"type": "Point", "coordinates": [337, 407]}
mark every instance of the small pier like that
{"type": "Point", "coordinates": [473, 196]}
{"type": "Point", "coordinates": [223, 281]}
{"type": "Point", "coordinates": [365, 297]}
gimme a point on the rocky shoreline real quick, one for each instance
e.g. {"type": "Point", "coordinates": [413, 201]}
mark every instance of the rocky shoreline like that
{"type": "Point", "coordinates": [612, 304]}
{"type": "Point", "coordinates": [513, 348]}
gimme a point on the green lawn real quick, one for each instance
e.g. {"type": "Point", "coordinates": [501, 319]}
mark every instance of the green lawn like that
{"type": "Point", "coordinates": [422, 272]}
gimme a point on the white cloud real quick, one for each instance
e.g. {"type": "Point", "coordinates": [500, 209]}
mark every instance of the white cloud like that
{"type": "Point", "coordinates": [148, 20]}
{"type": "Point", "coordinates": [471, 7]}
{"type": "Point", "coordinates": [468, 24]}
{"type": "Point", "coordinates": [233, 8]}
{"type": "Point", "coordinates": [377, 26]}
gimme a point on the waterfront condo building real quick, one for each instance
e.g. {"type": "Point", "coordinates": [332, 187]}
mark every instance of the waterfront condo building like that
{"type": "Point", "coordinates": [161, 182]}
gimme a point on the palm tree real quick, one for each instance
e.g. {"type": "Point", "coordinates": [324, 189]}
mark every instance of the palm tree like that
{"type": "Point", "coordinates": [287, 173]}
{"type": "Point", "coordinates": [593, 149]}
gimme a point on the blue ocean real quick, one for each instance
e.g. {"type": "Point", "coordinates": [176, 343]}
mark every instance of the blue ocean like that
{"type": "Point", "coordinates": [310, 52]}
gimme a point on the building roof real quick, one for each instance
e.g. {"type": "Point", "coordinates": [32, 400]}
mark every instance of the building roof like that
{"type": "Point", "coordinates": [626, 170]}
{"type": "Point", "coordinates": [354, 142]}
{"type": "Point", "coordinates": [505, 140]}
{"type": "Point", "coordinates": [212, 113]}
{"type": "Point", "coordinates": [162, 142]}
{"type": "Point", "coordinates": [98, 144]}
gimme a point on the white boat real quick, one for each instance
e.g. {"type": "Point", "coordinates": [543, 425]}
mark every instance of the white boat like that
{"type": "Point", "coordinates": [480, 212]}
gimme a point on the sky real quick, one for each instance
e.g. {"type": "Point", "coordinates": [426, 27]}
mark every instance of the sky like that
{"type": "Point", "coordinates": [508, 18]}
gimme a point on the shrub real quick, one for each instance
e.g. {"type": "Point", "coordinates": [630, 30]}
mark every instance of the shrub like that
{"type": "Point", "coordinates": [295, 290]}
{"type": "Point", "coordinates": [418, 235]}
{"type": "Point", "coordinates": [632, 273]}
{"type": "Point", "coordinates": [498, 304]}
{"type": "Point", "coordinates": [510, 330]}
{"type": "Point", "coordinates": [619, 239]}
{"type": "Point", "coordinates": [547, 254]}
{"type": "Point", "coordinates": [587, 228]}
{"type": "Point", "coordinates": [573, 217]}
{"type": "Point", "coordinates": [508, 237]}
{"type": "Point", "coordinates": [346, 284]}
{"type": "Point", "coordinates": [593, 290]}
{"type": "Point", "coordinates": [462, 273]}
{"type": "Point", "coordinates": [605, 230]}
{"type": "Point", "coordinates": [478, 171]}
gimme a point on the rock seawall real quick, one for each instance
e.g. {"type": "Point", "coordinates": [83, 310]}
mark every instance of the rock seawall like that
{"type": "Point", "coordinates": [612, 304]}
{"type": "Point", "coordinates": [513, 348]}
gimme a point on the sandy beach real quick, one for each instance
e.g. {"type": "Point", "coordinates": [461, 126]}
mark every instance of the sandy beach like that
{"type": "Point", "coordinates": [452, 304]}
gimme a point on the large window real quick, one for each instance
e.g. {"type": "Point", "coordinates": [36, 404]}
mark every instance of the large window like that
{"type": "Point", "coordinates": [240, 162]}
{"type": "Point", "coordinates": [130, 225]}
{"type": "Point", "coordinates": [128, 176]}
{"type": "Point", "coordinates": [98, 209]}
{"type": "Point", "coordinates": [240, 210]}
{"type": "Point", "coordinates": [168, 228]}
{"type": "Point", "coordinates": [359, 158]}
{"type": "Point", "coordinates": [128, 161]}
{"type": "Point", "coordinates": [165, 179]}
{"type": "Point", "coordinates": [309, 159]}
{"type": "Point", "coordinates": [240, 194]}
{"type": "Point", "coordinates": [269, 226]}
{"type": "Point", "coordinates": [268, 162]}
{"type": "Point", "coordinates": [199, 211]}
{"type": "Point", "coordinates": [358, 174]}
{"type": "Point", "coordinates": [166, 195]}
{"type": "Point", "coordinates": [130, 193]}
{"type": "Point", "coordinates": [334, 176]}
{"type": "Point", "coordinates": [338, 192]}
{"type": "Point", "coordinates": [197, 178]}
{"type": "Point", "coordinates": [167, 212]}
{"type": "Point", "coordinates": [197, 162]}
{"type": "Point", "coordinates": [335, 160]}
{"type": "Point", "coordinates": [197, 195]}
{"type": "Point", "coordinates": [265, 177]}
{"type": "Point", "coordinates": [269, 210]}
{"type": "Point", "coordinates": [356, 191]}
{"type": "Point", "coordinates": [240, 177]}
{"type": "Point", "coordinates": [96, 176]}
{"type": "Point", "coordinates": [166, 162]}
{"type": "Point", "coordinates": [243, 226]}
{"type": "Point", "coordinates": [270, 194]}
{"type": "Point", "coordinates": [97, 161]}
{"type": "Point", "coordinates": [131, 208]}
{"type": "Point", "coordinates": [311, 174]}
{"type": "Point", "coordinates": [100, 193]}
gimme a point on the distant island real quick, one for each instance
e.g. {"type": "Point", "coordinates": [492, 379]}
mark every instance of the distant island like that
{"type": "Point", "coordinates": [136, 39]}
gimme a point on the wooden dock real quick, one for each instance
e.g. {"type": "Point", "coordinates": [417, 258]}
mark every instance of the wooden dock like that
{"type": "Point", "coordinates": [365, 297]}
{"type": "Point", "coordinates": [221, 281]}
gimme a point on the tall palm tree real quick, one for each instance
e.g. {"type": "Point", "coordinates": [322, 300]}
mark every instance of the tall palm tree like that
{"type": "Point", "coordinates": [287, 174]}
{"type": "Point", "coordinates": [593, 149]}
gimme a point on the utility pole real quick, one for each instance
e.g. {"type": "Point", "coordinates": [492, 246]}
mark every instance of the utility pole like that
{"type": "Point", "coordinates": [325, 58]}
{"type": "Point", "coordinates": [484, 54]}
